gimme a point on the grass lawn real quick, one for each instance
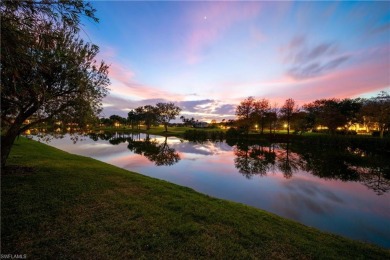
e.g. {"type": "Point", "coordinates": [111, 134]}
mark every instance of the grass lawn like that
{"type": "Point", "coordinates": [58, 205]}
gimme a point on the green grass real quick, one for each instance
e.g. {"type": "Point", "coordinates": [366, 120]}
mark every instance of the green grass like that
{"type": "Point", "coordinates": [59, 205]}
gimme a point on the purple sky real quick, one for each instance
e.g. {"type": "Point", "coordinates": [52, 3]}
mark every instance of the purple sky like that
{"type": "Point", "coordinates": [208, 56]}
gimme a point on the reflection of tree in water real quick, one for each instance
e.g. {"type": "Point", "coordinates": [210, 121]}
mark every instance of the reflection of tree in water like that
{"type": "Point", "coordinates": [373, 169]}
{"type": "Point", "coordinates": [347, 164]}
{"type": "Point", "coordinates": [373, 179]}
{"type": "Point", "coordinates": [327, 163]}
{"type": "Point", "coordinates": [160, 154]}
{"type": "Point", "coordinates": [340, 163]}
{"type": "Point", "coordinates": [112, 138]}
{"type": "Point", "coordinates": [253, 159]}
{"type": "Point", "coordinates": [257, 159]}
{"type": "Point", "coordinates": [288, 162]}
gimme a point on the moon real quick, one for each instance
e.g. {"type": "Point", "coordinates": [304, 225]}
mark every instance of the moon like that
{"type": "Point", "coordinates": [205, 17]}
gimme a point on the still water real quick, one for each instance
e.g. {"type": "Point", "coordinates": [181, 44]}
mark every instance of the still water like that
{"type": "Point", "coordinates": [343, 191]}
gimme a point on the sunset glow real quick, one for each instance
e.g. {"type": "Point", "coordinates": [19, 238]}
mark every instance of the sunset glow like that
{"type": "Point", "coordinates": [207, 56]}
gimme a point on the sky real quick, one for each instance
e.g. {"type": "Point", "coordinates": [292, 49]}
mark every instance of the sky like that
{"type": "Point", "coordinates": [207, 56]}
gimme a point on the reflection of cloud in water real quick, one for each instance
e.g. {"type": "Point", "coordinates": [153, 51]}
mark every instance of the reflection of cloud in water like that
{"type": "Point", "coordinates": [174, 140]}
{"type": "Point", "coordinates": [95, 145]}
{"type": "Point", "coordinates": [306, 197]}
{"type": "Point", "coordinates": [131, 161]}
{"type": "Point", "coordinates": [311, 189]}
{"type": "Point", "coordinates": [206, 148]}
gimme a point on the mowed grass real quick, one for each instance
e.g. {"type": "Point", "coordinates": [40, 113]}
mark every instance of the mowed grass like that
{"type": "Point", "coordinates": [58, 205]}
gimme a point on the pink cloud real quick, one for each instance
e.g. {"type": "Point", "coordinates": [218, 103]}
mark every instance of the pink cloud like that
{"type": "Point", "coordinates": [124, 84]}
{"type": "Point", "coordinates": [136, 90]}
{"type": "Point", "coordinates": [371, 74]}
{"type": "Point", "coordinates": [120, 72]}
{"type": "Point", "coordinates": [235, 92]}
{"type": "Point", "coordinates": [211, 21]}
{"type": "Point", "coordinates": [350, 82]}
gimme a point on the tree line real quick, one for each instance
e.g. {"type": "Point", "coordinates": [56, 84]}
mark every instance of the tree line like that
{"type": "Point", "coordinates": [332, 114]}
{"type": "Point", "coordinates": [148, 115]}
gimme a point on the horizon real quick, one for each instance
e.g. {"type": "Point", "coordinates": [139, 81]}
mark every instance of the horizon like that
{"type": "Point", "coordinates": [208, 56]}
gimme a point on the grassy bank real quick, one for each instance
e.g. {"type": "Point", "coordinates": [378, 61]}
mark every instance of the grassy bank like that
{"type": "Point", "coordinates": [59, 205]}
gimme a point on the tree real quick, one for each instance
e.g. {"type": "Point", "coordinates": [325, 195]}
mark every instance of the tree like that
{"type": "Point", "coordinates": [115, 119]}
{"type": "Point", "coordinates": [132, 118]}
{"type": "Point", "coordinates": [105, 121]}
{"type": "Point", "coordinates": [378, 110]}
{"type": "Point", "coordinates": [187, 121]}
{"type": "Point", "coordinates": [140, 115]}
{"type": "Point", "coordinates": [244, 112]}
{"type": "Point", "coordinates": [48, 74]}
{"type": "Point", "coordinates": [150, 116]}
{"type": "Point", "coordinates": [301, 122]}
{"type": "Point", "coordinates": [261, 108]}
{"type": "Point", "coordinates": [288, 110]}
{"type": "Point", "coordinates": [350, 109]}
{"type": "Point", "coordinates": [167, 112]}
{"type": "Point", "coordinates": [272, 117]}
{"type": "Point", "coordinates": [333, 113]}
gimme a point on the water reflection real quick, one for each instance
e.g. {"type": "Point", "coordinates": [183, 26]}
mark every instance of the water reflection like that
{"type": "Point", "coordinates": [339, 189]}
{"type": "Point", "coordinates": [158, 152]}
{"type": "Point", "coordinates": [255, 158]}
{"type": "Point", "coordinates": [339, 163]}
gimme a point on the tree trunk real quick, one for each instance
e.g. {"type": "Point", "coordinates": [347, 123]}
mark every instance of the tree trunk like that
{"type": "Point", "coordinates": [166, 127]}
{"type": "Point", "coordinates": [262, 125]}
{"type": "Point", "coordinates": [6, 143]}
{"type": "Point", "coordinates": [382, 130]}
{"type": "Point", "coordinates": [15, 129]}
{"type": "Point", "coordinates": [288, 126]}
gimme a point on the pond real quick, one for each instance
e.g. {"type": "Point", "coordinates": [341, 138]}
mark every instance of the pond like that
{"type": "Point", "coordinates": [342, 190]}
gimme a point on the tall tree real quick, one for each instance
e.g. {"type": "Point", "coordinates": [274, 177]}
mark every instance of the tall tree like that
{"type": "Point", "coordinates": [115, 119]}
{"type": "Point", "coordinates": [333, 113]}
{"type": "Point", "coordinates": [329, 114]}
{"type": "Point", "coordinates": [140, 115]}
{"type": "Point", "coordinates": [188, 121]}
{"type": "Point", "coordinates": [301, 122]}
{"type": "Point", "coordinates": [150, 116]}
{"type": "Point", "coordinates": [244, 112]}
{"type": "Point", "coordinates": [167, 112]}
{"type": "Point", "coordinates": [48, 73]}
{"type": "Point", "coordinates": [261, 109]}
{"type": "Point", "coordinates": [287, 111]}
{"type": "Point", "coordinates": [378, 109]}
{"type": "Point", "coordinates": [350, 109]}
{"type": "Point", "coordinates": [131, 118]}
